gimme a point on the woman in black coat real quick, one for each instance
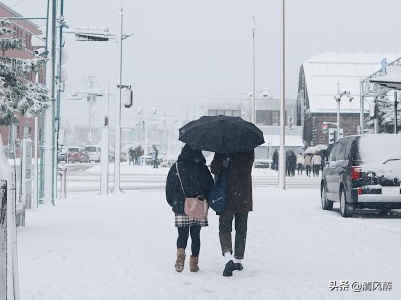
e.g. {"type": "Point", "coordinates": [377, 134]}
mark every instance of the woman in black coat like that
{"type": "Point", "coordinates": [196, 180]}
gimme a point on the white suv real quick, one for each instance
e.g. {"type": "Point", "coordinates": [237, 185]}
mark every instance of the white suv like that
{"type": "Point", "coordinates": [93, 152]}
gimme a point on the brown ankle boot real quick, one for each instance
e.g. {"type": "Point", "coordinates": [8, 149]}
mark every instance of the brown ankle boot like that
{"type": "Point", "coordinates": [193, 264]}
{"type": "Point", "coordinates": [179, 263]}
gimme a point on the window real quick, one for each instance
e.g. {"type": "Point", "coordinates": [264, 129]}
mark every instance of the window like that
{"type": "Point", "coordinates": [227, 112]}
{"type": "Point", "coordinates": [333, 154]}
{"type": "Point", "coordinates": [275, 117]}
{"type": "Point", "coordinates": [342, 147]}
{"type": "Point", "coordinates": [236, 113]}
{"type": "Point", "coordinates": [264, 117]}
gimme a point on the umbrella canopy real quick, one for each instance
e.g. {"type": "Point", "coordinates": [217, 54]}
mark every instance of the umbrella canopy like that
{"type": "Point", "coordinates": [221, 134]}
{"type": "Point", "coordinates": [321, 147]}
{"type": "Point", "coordinates": [312, 150]}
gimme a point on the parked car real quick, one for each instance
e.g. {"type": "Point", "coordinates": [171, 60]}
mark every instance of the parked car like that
{"type": "Point", "coordinates": [262, 163]}
{"type": "Point", "coordinates": [77, 154]}
{"type": "Point", "coordinates": [62, 154]}
{"type": "Point", "coordinates": [363, 172]}
{"type": "Point", "coordinates": [94, 153]}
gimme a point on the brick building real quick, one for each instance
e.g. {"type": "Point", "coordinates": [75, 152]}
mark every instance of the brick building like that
{"type": "Point", "coordinates": [28, 32]}
{"type": "Point", "coordinates": [318, 80]}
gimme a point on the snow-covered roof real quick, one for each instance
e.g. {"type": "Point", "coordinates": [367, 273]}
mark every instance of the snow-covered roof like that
{"type": "Point", "coordinates": [290, 140]}
{"type": "Point", "coordinates": [323, 71]}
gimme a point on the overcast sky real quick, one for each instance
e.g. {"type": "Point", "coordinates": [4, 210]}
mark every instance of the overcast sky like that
{"type": "Point", "coordinates": [184, 51]}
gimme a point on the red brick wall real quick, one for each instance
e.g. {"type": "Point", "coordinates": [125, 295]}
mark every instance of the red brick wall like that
{"type": "Point", "coordinates": [348, 122]}
{"type": "Point", "coordinates": [24, 30]}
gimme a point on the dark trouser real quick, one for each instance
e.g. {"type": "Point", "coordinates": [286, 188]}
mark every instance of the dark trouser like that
{"type": "Point", "coordinates": [183, 234]}
{"type": "Point", "coordinates": [308, 170]}
{"type": "Point", "coordinates": [316, 170]}
{"type": "Point", "coordinates": [225, 228]}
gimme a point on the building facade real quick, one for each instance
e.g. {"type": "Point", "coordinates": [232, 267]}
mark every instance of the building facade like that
{"type": "Point", "coordinates": [320, 79]}
{"type": "Point", "coordinates": [29, 33]}
{"type": "Point", "coordinates": [267, 111]}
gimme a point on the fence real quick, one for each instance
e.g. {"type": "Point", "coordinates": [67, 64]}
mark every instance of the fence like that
{"type": "Point", "coordinates": [9, 286]}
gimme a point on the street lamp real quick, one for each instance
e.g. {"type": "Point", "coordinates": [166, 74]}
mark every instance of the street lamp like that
{"type": "Point", "coordinates": [140, 111]}
{"type": "Point", "coordinates": [337, 97]}
{"type": "Point", "coordinates": [102, 34]}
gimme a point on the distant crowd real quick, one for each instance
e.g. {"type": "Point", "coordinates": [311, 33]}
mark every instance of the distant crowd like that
{"type": "Point", "coordinates": [310, 162]}
{"type": "Point", "coordinates": [135, 154]}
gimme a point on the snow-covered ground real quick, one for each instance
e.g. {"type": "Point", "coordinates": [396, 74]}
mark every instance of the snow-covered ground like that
{"type": "Point", "coordinates": [122, 246]}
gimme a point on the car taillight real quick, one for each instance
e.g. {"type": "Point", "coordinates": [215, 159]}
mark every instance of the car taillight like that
{"type": "Point", "coordinates": [356, 173]}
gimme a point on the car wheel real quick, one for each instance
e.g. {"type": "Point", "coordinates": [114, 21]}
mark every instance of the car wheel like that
{"type": "Point", "coordinates": [326, 204]}
{"type": "Point", "coordinates": [347, 209]}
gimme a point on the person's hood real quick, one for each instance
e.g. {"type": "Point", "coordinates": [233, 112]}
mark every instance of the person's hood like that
{"type": "Point", "coordinates": [189, 154]}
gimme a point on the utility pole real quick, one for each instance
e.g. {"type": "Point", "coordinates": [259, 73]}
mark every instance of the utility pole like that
{"type": "Point", "coordinates": [117, 143]}
{"type": "Point", "coordinates": [254, 74]}
{"type": "Point", "coordinates": [60, 82]}
{"type": "Point", "coordinates": [281, 170]}
{"type": "Point", "coordinates": [49, 114]}
{"type": "Point", "coordinates": [90, 80]}
{"type": "Point", "coordinates": [395, 111]}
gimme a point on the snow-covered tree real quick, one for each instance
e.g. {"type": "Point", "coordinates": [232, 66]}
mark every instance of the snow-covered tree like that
{"type": "Point", "coordinates": [17, 93]}
{"type": "Point", "coordinates": [385, 116]}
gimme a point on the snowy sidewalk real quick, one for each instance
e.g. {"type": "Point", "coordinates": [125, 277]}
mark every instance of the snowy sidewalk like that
{"type": "Point", "coordinates": [122, 247]}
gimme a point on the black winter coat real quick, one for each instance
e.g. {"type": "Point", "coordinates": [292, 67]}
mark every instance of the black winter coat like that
{"type": "Point", "coordinates": [195, 176]}
{"type": "Point", "coordinates": [239, 186]}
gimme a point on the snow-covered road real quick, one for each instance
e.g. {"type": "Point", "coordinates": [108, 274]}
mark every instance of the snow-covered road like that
{"type": "Point", "coordinates": [122, 247]}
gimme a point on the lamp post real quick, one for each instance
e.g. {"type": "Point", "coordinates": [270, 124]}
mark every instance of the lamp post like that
{"type": "Point", "coordinates": [281, 178]}
{"type": "Point", "coordinates": [102, 34]}
{"type": "Point", "coordinates": [117, 141]}
{"type": "Point", "coordinates": [140, 112]}
{"type": "Point", "coordinates": [337, 97]}
{"type": "Point", "coordinates": [48, 126]}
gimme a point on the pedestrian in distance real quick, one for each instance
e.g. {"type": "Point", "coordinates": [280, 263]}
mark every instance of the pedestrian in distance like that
{"type": "Point", "coordinates": [155, 155]}
{"type": "Point", "coordinates": [316, 162]}
{"type": "Point", "coordinates": [138, 152]}
{"type": "Point", "coordinates": [196, 180]}
{"type": "Point", "coordinates": [131, 155]}
{"type": "Point", "coordinates": [275, 160]}
{"type": "Point", "coordinates": [307, 164]}
{"type": "Point", "coordinates": [291, 163]}
{"type": "Point", "coordinates": [300, 163]}
{"type": "Point", "coordinates": [239, 204]}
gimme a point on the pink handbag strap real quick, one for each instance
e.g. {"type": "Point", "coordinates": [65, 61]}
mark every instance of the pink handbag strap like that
{"type": "Point", "coordinates": [178, 173]}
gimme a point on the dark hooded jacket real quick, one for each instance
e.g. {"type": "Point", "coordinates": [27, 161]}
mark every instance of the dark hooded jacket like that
{"type": "Point", "coordinates": [239, 187]}
{"type": "Point", "coordinates": [195, 177]}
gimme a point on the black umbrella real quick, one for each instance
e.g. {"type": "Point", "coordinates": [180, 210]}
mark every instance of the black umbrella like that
{"type": "Point", "coordinates": [221, 134]}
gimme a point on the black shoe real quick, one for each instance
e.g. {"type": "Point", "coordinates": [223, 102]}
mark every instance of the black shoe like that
{"type": "Point", "coordinates": [238, 266]}
{"type": "Point", "coordinates": [228, 270]}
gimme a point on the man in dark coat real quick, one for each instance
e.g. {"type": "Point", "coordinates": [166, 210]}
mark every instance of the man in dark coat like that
{"type": "Point", "coordinates": [131, 154]}
{"type": "Point", "coordinates": [275, 159]}
{"type": "Point", "coordinates": [239, 203]}
{"type": "Point", "coordinates": [155, 154]}
{"type": "Point", "coordinates": [196, 180]}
